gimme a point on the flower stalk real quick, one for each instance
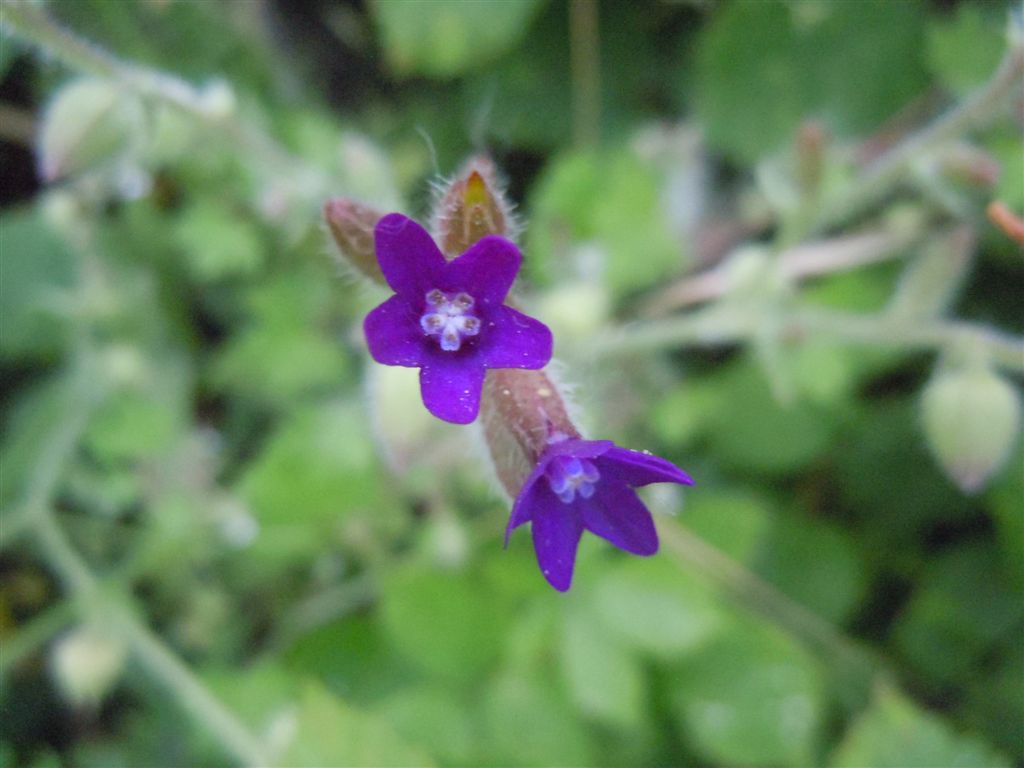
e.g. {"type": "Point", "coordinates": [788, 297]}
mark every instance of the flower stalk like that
{"type": "Point", "coordinates": [890, 170]}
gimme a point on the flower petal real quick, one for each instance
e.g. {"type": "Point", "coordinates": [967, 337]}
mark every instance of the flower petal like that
{"type": "Point", "coordinates": [451, 388]}
{"type": "Point", "coordinates": [486, 271]}
{"type": "Point", "coordinates": [581, 449]}
{"type": "Point", "coordinates": [616, 513]}
{"type": "Point", "coordinates": [556, 535]}
{"type": "Point", "coordinates": [393, 334]}
{"type": "Point", "coordinates": [636, 468]}
{"type": "Point", "coordinates": [514, 340]}
{"type": "Point", "coordinates": [522, 509]}
{"type": "Point", "coordinates": [408, 256]}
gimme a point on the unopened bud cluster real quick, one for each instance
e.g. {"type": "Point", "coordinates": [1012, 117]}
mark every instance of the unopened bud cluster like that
{"type": "Point", "coordinates": [971, 417]}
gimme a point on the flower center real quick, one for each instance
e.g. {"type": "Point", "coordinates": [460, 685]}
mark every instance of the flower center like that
{"type": "Point", "coordinates": [449, 318]}
{"type": "Point", "coordinates": [569, 476]}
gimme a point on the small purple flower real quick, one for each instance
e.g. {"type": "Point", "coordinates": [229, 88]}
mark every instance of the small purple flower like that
{"type": "Point", "coordinates": [448, 318]}
{"type": "Point", "coordinates": [588, 484]}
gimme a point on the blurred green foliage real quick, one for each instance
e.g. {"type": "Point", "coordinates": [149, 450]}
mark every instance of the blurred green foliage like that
{"type": "Point", "coordinates": [188, 399]}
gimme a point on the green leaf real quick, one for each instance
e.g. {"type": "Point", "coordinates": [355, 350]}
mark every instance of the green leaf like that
{"type": "Point", "coordinates": [964, 51]}
{"type": "Point", "coordinates": [36, 268]}
{"type": "Point", "coordinates": [279, 364]}
{"type": "Point", "coordinates": [448, 624]}
{"type": "Point", "coordinates": [747, 95]}
{"type": "Point", "coordinates": [435, 719]}
{"type": "Point", "coordinates": [735, 521]}
{"type": "Point", "coordinates": [563, 204]}
{"type": "Point", "coordinates": [332, 733]}
{"type": "Point", "coordinates": [653, 606]}
{"type": "Point", "coordinates": [317, 470]}
{"type": "Point", "coordinates": [757, 432]}
{"type": "Point", "coordinates": [894, 733]}
{"type": "Point", "coordinates": [9, 52]}
{"type": "Point", "coordinates": [1008, 513]}
{"type": "Point", "coordinates": [814, 563]}
{"type": "Point", "coordinates": [629, 221]}
{"type": "Point", "coordinates": [603, 677]}
{"type": "Point", "coordinates": [218, 242]}
{"type": "Point", "coordinates": [887, 476]}
{"type": "Point", "coordinates": [257, 693]}
{"type": "Point", "coordinates": [749, 697]}
{"type": "Point", "coordinates": [353, 657]}
{"type": "Point", "coordinates": [528, 724]}
{"type": "Point", "coordinates": [1010, 189]}
{"type": "Point", "coordinates": [444, 38]}
{"type": "Point", "coordinates": [684, 412]}
{"type": "Point", "coordinates": [28, 425]}
{"type": "Point", "coordinates": [965, 604]}
{"type": "Point", "coordinates": [763, 67]}
{"type": "Point", "coordinates": [613, 199]}
{"type": "Point", "coordinates": [995, 700]}
{"type": "Point", "coordinates": [131, 427]}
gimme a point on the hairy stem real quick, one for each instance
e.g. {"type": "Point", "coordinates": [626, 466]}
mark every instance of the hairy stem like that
{"type": "Point", "coordinates": [801, 262]}
{"type": "Point", "coordinates": [816, 633]}
{"type": "Point", "coordinates": [152, 654]}
{"type": "Point", "coordinates": [894, 166]}
{"type": "Point", "coordinates": [720, 326]}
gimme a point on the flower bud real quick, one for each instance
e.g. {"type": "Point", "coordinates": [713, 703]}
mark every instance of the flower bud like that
{"type": "Point", "coordinates": [88, 123]}
{"type": "Point", "coordinates": [931, 279]}
{"type": "Point", "coordinates": [87, 662]}
{"type": "Point", "coordinates": [471, 207]}
{"type": "Point", "coordinates": [351, 225]}
{"type": "Point", "coordinates": [971, 419]}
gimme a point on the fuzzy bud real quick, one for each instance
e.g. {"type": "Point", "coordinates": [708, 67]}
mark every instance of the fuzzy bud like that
{"type": "Point", "coordinates": [930, 281]}
{"type": "Point", "coordinates": [87, 662]}
{"type": "Point", "coordinates": [971, 419]}
{"type": "Point", "coordinates": [351, 225]}
{"type": "Point", "coordinates": [89, 123]}
{"type": "Point", "coordinates": [471, 207]}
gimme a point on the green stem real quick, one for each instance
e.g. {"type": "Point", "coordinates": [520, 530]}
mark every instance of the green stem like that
{"type": "Point", "coordinates": [758, 595]}
{"type": "Point", "coordinates": [72, 422]}
{"type": "Point", "coordinates": [723, 325]}
{"type": "Point", "coordinates": [153, 656]}
{"type": "Point", "coordinates": [584, 48]}
{"type": "Point", "coordinates": [36, 633]}
{"type": "Point", "coordinates": [895, 166]}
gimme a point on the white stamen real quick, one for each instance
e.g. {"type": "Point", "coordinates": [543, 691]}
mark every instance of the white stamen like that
{"type": "Point", "coordinates": [448, 319]}
{"type": "Point", "coordinates": [570, 476]}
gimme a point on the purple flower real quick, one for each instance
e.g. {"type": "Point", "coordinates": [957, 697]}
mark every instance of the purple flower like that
{"type": "Point", "coordinates": [588, 484]}
{"type": "Point", "coordinates": [448, 318]}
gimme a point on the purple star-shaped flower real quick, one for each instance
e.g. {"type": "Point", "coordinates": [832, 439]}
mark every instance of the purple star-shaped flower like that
{"type": "Point", "coordinates": [588, 484]}
{"type": "Point", "coordinates": [448, 318]}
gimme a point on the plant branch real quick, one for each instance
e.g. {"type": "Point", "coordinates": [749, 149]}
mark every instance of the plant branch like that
{"type": "Point", "coordinates": [32, 23]}
{"type": "Point", "coordinates": [889, 171]}
{"type": "Point", "coordinates": [794, 264]}
{"type": "Point", "coordinates": [154, 657]}
{"type": "Point", "coordinates": [818, 634]}
{"type": "Point", "coordinates": [38, 631]}
{"type": "Point", "coordinates": [724, 325]}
